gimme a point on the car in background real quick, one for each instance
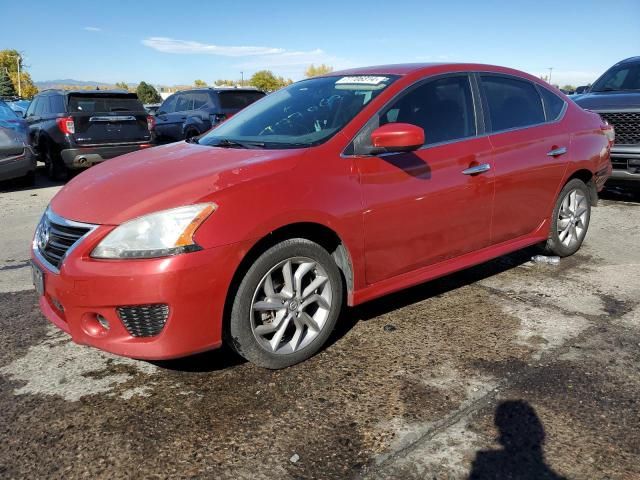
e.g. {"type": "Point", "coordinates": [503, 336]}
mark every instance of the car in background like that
{"type": "Point", "coordinates": [79, 128]}
{"type": "Point", "coordinates": [347, 187]}
{"type": "Point", "coordinates": [190, 113]}
{"type": "Point", "coordinates": [152, 108]}
{"type": "Point", "coordinates": [616, 97]}
{"type": "Point", "coordinates": [16, 158]}
{"type": "Point", "coordinates": [19, 106]}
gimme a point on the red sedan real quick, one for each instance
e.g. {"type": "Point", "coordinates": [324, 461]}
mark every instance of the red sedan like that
{"type": "Point", "coordinates": [337, 189]}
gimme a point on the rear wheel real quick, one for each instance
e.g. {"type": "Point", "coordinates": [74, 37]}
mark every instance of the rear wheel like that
{"type": "Point", "coordinates": [570, 219]}
{"type": "Point", "coordinates": [191, 134]}
{"type": "Point", "coordinates": [56, 169]}
{"type": "Point", "coordinates": [287, 305]}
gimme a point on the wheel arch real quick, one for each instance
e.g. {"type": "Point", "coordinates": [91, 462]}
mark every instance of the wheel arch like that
{"type": "Point", "coordinates": [586, 176]}
{"type": "Point", "coordinates": [316, 232]}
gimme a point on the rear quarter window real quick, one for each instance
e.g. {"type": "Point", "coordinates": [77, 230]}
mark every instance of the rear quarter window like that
{"type": "Point", "coordinates": [103, 104]}
{"type": "Point", "coordinates": [553, 104]}
{"type": "Point", "coordinates": [238, 100]}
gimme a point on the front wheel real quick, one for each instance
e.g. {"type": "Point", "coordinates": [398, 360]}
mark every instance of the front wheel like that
{"type": "Point", "coordinates": [287, 304]}
{"type": "Point", "coordinates": [570, 219]}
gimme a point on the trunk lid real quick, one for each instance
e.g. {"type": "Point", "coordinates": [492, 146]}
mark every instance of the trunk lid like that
{"type": "Point", "coordinates": [102, 118]}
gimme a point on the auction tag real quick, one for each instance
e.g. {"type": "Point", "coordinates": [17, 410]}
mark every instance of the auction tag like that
{"type": "Point", "coordinates": [362, 80]}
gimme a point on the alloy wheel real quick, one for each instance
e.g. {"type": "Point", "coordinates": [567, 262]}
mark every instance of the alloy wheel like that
{"type": "Point", "coordinates": [572, 218]}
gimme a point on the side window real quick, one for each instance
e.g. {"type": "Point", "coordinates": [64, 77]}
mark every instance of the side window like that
{"type": "Point", "coordinates": [45, 106]}
{"type": "Point", "coordinates": [31, 111]}
{"type": "Point", "coordinates": [512, 102]}
{"type": "Point", "coordinates": [39, 110]}
{"type": "Point", "coordinates": [200, 100]}
{"type": "Point", "coordinates": [443, 108]}
{"type": "Point", "coordinates": [553, 104]}
{"type": "Point", "coordinates": [184, 102]}
{"type": "Point", "coordinates": [169, 105]}
{"type": "Point", "coordinates": [57, 104]}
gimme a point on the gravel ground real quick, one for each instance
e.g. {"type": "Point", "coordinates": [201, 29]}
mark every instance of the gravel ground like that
{"type": "Point", "coordinates": [504, 369]}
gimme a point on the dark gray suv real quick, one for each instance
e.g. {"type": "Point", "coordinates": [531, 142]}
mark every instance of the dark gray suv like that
{"type": "Point", "coordinates": [189, 113]}
{"type": "Point", "coordinates": [616, 97]}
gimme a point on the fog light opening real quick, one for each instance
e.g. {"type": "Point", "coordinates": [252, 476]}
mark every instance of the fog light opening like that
{"type": "Point", "coordinates": [104, 323]}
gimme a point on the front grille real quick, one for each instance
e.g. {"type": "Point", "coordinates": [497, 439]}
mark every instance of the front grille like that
{"type": "Point", "coordinates": [55, 236]}
{"type": "Point", "coordinates": [144, 320]}
{"type": "Point", "coordinates": [626, 125]}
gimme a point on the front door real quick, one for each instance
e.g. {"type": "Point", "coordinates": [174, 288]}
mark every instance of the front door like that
{"type": "Point", "coordinates": [423, 207]}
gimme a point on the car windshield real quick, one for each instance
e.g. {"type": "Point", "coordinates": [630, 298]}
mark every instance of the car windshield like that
{"type": "Point", "coordinates": [622, 77]}
{"type": "Point", "coordinates": [306, 113]}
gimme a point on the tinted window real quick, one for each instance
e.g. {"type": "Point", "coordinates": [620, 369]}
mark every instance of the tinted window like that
{"type": "Point", "coordinates": [623, 77]}
{"type": "Point", "coordinates": [104, 104]}
{"type": "Point", "coordinates": [6, 113]}
{"type": "Point", "coordinates": [57, 104]}
{"type": "Point", "coordinates": [443, 108]}
{"type": "Point", "coordinates": [45, 106]}
{"type": "Point", "coordinates": [238, 100]}
{"type": "Point", "coordinates": [184, 102]}
{"type": "Point", "coordinates": [512, 103]}
{"type": "Point", "coordinates": [39, 110]}
{"type": "Point", "coordinates": [553, 104]}
{"type": "Point", "coordinates": [200, 100]}
{"type": "Point", "coordinates": [32, 107]}
{"type": "Point", "coordinates": [169, 105]}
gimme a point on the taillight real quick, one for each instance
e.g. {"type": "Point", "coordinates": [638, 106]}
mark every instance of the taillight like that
{"type": "Point", "coordinates": [66, 125]}
{"type": "Point", "coordinates": [609, 131]}
{"type": "Point", "coordinates": [151, 122]}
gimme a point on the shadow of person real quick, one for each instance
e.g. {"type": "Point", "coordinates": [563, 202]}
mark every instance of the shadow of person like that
{"type": "Point", "coordinates": [521, 435]}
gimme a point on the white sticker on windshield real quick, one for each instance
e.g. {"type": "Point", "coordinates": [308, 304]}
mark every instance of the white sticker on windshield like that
{"type": "Point", "coordinates": [362, 80]}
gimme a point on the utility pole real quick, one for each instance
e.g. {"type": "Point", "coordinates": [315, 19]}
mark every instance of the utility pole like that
{"type": "Point", "coordinates": [550, 70]}
{"type": "Point", "coordinates": [242, 79]}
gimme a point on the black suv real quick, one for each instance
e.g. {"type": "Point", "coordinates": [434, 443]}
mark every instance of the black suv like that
{"type": "Point", "coordinates": [616, 97]}
{"type": "Point", "coordinates": [189, 113]}
{"type": "Point", "coordinates": [75, 129]}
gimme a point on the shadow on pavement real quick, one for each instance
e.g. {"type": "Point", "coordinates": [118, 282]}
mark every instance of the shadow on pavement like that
{"type": "Point", "coordinates": [622, 193]}
{"type": "Point", "coordinates": [41, 181]}
{"type": "Point", "coordinates": [522, 436]}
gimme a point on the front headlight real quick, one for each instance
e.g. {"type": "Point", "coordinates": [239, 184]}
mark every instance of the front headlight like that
{"type": "Point", "coordinates": [158, 234]}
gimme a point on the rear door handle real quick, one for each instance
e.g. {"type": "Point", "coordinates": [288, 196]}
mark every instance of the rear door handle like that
{"type": "Point", "coordinates": [475, 170]}
{"type": "Point", "coordinates": [556, 152]}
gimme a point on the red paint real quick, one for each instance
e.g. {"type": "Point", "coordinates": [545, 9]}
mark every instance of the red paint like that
{"type": "Point", "coordinates": [404, 218]}
{"type": "Point", "coordinates": [398, 136]}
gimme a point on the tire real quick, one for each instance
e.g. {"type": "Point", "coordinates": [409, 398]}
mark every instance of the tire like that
{"type": "Point", "coordinates": [573, 209]}
{"type": "Point", "coordinates": [56, 169]}
{"type": "Point", "coordinates": [190, 134]}
{"type": "Point", "coordinates": [302, 317]}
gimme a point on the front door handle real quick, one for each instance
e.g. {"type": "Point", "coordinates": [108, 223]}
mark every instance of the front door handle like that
{"type": "Point", "coordinates": [556, 152]}
{"type": "Point", "coordinates": [475, 170]}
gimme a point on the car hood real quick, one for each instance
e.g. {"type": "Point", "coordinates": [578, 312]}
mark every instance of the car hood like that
{"type": "Point", "coordinates": [609, 100]}
{"type": "Point", "coordinates": [163, 177]}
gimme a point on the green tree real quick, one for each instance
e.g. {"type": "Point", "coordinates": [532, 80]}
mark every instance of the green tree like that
{"type": "Point", "coordinates": [6, 85]}
{"type": "Point", "coordinates": [267, 81]}
{"type": "Point", "coordinates": [9, 60]}
{"type": "Point", "coordinates": [122, 85]}
{"type": "Point", "coordinates": [224, 83]}
{"type": "Point", "coordinates": [313, 71]}
{"type": "Point", "coordinates": [200, 83]}
{"type": "Point", "coordinates": [569, 88]}
{"type": "Point", "coordinates": [147, 93]}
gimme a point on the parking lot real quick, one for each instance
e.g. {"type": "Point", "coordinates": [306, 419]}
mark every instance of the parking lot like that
{"type": "Point", "coordinates": [504, 367]}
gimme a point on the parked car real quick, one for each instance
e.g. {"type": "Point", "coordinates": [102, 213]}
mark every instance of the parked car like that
{"type": "Point", "coordinates": [190, 113]}
{"type": "Point", "coordinates": [616, 97]}
{"type": "Point", "coordinates": [336, 189]}
{"type": "Point", "coordinates": [16, 157]}
{"type": "Point", "coordinates": [19, 106]}
{"type": "Point", "coordinates": [77, 129]}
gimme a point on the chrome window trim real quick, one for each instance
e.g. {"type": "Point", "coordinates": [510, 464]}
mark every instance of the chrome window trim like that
{"type": "Point", "coordinates": [53, 218]}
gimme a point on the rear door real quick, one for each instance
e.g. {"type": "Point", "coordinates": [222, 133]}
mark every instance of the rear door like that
{"type": "Point", "coordinates": [108, 118]}
{"type": "Point", "coordinates": [531, 153]}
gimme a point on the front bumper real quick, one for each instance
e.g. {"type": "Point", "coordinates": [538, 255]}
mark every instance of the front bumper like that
{"type": "Point", "coordinates": [81, 157]}
{"type": "Point", "coordinates": [626, 163]}
{"type": "Point", "coordinates": [193, 285]}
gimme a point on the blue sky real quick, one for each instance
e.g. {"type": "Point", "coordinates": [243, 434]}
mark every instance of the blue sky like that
{"type": "Point", "coordinates": [176, 42]}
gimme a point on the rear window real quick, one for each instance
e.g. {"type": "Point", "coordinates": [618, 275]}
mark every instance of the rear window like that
{"type": "Point", "coordinates": [103, 103]}
{"type": "Point", "coordinates": [238, 100]}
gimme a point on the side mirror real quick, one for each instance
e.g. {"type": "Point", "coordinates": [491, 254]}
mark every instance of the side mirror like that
{"type": "Point", "coordinates": [397, 137]}
{"type": "Point", "coordinates": [582, 89]}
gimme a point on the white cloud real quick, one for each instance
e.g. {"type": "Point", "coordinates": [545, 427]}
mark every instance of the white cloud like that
{"type": "Point", "coordinates": [171, 45]}
{"type": "Point", "coordinates": [92, 29]}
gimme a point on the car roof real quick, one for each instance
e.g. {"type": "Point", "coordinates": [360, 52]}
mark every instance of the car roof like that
{"type": "Point", "coordinates": [629, 60]}
{"type": "Point", "coordinates": [85, 92]}
{"type": "Point", "coordinates": [221, 89]}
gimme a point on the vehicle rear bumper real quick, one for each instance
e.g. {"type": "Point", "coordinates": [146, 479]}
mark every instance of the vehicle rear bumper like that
{"type": "Point", "coordinates": [81, 157]}
{"type": "Point", "coordinates": [193, 286]}
{"type": "Point", "coordinates": [626, 164]}
{"type": "Point", "coordinates": [18, 165]}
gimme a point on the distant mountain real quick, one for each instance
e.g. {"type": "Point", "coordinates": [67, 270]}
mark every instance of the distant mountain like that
{"type": "Point", "coordinates": [42, 85]}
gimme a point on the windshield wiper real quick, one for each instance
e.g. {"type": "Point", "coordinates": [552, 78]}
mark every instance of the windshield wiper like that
{"type": "Point", "coordinates": [226, 143]}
